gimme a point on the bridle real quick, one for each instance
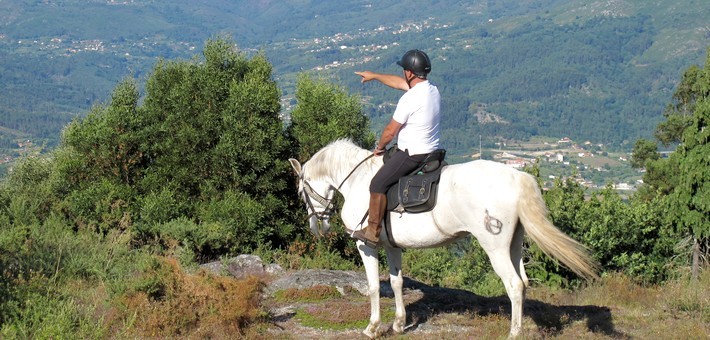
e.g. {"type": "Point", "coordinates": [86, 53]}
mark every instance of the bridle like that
{"type": "Point", "coordinates": [310, 194]}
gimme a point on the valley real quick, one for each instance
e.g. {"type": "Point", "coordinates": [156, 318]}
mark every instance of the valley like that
{"type": "Point", "coordinates": [601, 71]}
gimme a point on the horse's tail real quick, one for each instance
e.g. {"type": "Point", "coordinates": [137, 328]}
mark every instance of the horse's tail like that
{"type": "Point", "coordinates": [534, 218]}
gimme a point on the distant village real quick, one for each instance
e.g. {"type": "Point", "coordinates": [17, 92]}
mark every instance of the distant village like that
{"type": "Point", "coordinates": [24, 147]}
{"type": "Point", "coordinates": [67, 48]}
{"type": "Point", "coordinates": [560, 154]}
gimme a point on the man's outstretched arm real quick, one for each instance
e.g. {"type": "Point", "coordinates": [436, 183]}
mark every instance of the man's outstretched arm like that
{"type": "Point", "coordinates": [391, 80]}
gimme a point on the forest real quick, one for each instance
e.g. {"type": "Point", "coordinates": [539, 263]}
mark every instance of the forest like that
{"type": "Point", "coordinates": [195, 169]}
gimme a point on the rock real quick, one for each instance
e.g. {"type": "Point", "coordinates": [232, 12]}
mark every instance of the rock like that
{"type": "Point", "coordinates": [242, 266]}
{"type": "Point", "coordinates": [213, 267]}
{"type": "Point", "coordinates": [273, 269]}
{"type": "Point", "coordinates": [341, 280]}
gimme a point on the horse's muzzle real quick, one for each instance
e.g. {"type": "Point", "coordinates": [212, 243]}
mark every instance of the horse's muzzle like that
{"type": "Point", "coordinates": [319, 226]}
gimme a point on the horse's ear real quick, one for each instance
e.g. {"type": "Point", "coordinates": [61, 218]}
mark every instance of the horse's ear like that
{"type": "Point", "coordinates": [296, 166]}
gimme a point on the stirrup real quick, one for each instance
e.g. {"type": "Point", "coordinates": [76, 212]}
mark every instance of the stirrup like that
{"type": "Point", "coordinates": [361, 236]}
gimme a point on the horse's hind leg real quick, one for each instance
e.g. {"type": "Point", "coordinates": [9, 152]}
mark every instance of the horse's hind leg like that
{"type": "Point", "coordinates": [394, 259]}
{"type": "Point", "coordinates": [514, 286]}
{"type": "Point", "coordinates": [516, 253]}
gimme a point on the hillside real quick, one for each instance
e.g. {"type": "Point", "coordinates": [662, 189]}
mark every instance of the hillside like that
{"type": "Point", "coordinates": [600, 71]}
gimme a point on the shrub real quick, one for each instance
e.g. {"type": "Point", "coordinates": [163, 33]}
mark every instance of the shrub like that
{"type": "Point", "coordinates": [31, 190]}
{"type": "Point", "coordinates": [462, 265]}
{"type": "Point", "coordinates": [305, 252]}
{"type": "Point", "coordinates": [160, 207]}
{"type": "Point", "coordinates": [241, 217]}
{"type": "Point", "coordinates": [100, 206]}
{"type": "Point", "coordinates": [42, 264]}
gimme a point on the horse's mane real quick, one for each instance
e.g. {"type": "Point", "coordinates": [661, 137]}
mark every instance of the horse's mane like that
{"type": "Point", "coordinates": [339, 156]}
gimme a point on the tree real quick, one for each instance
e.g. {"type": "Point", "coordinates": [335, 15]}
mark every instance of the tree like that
{"type": "Point", "coordinates": [678, 114]}
{"type": "Point", "coordinates": [325, 113]}
{"type": "Point", "coordinates": [203, 160]}
{"type": "Point", "coordinates": [101, 159]}
{"type": "Point", "coordinates": [683, 179]}
{"type": "Point", "coordinates": [691, 198]}
{"type": "Point", "coordinates": [661, 174]}
{"type": "Point", "coordinates": [660, 178]}
{"type": "Point", "coordinates": [215, 135]}
{"type": "Point", "coordinates": [643, 151]}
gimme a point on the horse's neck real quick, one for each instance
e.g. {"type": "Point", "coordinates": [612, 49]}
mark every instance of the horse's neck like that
{"type": "Point", "coordinates": [356, 175]}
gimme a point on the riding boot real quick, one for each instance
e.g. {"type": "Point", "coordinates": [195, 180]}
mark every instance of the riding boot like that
{"type": "Point", "coordinates": [371, 234]}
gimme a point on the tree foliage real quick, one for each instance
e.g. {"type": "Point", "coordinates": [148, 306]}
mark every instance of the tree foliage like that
{"type": "Point", "coordinates": [644, 150]}
{"type": "Point", "coordinates": [679, 114]}
{"type": "Point", "coordinates": [683, 180]}
{"type": "Point", "coordinates": [631, 237]}
{"type": "Point", "coordinates": [691, 198]}
{"type": "Point", "coordinates": [206, 146]}
{"type": "Point", "coordinates": [325, 113]}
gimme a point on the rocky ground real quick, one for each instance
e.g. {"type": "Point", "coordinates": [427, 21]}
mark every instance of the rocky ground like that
{"type": "Point", "coordinates": [432, 312]}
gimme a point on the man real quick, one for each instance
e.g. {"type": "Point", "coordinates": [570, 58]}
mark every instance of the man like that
{"type": "Point", "coordinates": [415, 123]}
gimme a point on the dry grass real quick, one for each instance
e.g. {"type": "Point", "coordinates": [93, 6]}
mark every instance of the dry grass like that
{"type": "Point", "coordinates": [312, 294]}
{"type": "Point", "coordinates": [197, 305]}
{"type": "Point", "coordinates": [676, 310]}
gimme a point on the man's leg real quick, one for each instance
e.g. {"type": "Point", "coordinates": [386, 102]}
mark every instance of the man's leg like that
{"type": "Point", "coordinates": [371, 234]}
{"type": "Point", "coordinates": [400, 164]}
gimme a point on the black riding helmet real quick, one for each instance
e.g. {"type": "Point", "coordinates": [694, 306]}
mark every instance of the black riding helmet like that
{"type": "Point", "coordinates": [417, 62]}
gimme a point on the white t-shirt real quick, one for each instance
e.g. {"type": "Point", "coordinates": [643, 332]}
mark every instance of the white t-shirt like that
{"type": "Point", "coordinates": [418, 112]}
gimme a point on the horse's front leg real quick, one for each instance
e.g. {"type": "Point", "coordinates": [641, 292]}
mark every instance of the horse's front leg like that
{"type": "Point", "coordinates": [369, 259]}
{"type": "Point", "coordinates": [394, 259]}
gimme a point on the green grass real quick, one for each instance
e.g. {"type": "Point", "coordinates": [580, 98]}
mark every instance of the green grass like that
{"type": "Point", "coordinates": [337, 315]}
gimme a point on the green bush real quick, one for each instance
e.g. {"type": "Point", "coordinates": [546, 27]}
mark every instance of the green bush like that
{"type": "Point", "coordinates": [634, 237]}
{"type": "Point", "coordinates": [306, 252]}
{"type": "Point", "coordinates": [160, 207]}
{"type": "Point", "coordinates": [100, 206]}
{"type": "Point", "coordinates": [462, 265]}
{"type": "Point", "coordinates": [46, 316]}
{"type": "Point", "coordinates": [43, 265]}
{"type": "Point", "coordinates": [241, 217]}
{"type": "Point", "coordinates": [205, 144]}
{"type": "Point", "coordinates": [31, 190]}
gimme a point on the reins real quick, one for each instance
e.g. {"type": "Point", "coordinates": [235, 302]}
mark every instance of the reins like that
{"type": "Point", "coordinates": [353, 170]}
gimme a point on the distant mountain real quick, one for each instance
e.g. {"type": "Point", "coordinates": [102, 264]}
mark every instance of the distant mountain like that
{"type": "Point", "coordinates": [600, 70]}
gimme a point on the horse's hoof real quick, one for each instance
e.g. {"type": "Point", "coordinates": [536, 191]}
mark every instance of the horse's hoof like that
{"type": "Point", "coordinates": [514, 335]}
{"type": "Point", "coordinates": [398, 325]}
{"type": "Point", "coordinates": [371, 331]}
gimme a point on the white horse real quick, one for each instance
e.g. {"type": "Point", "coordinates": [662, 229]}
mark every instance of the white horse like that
{"type": "Point", "coordinates": [493, 202]}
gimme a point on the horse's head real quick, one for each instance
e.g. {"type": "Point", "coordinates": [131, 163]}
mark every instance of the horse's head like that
{"type": "Point", "coordinates": [318, 196]}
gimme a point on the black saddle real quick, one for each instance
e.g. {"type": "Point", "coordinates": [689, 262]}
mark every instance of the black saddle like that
{"type": "Point", "coordinates": [416, 192]}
